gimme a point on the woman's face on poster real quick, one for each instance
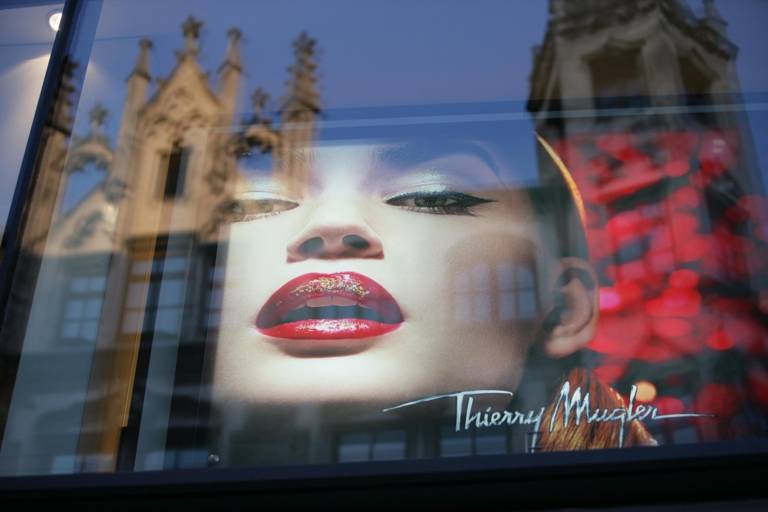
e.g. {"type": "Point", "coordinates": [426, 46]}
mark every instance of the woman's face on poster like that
{"type": "Point", "coordinates": [379, 272]}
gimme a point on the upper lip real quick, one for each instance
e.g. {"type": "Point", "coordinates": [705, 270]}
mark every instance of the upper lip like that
{"type": "Point", "coordinates": [364, 297]}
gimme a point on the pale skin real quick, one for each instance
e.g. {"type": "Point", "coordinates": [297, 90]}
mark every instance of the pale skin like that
{"type": "Point", "coordinates": [446, 268]}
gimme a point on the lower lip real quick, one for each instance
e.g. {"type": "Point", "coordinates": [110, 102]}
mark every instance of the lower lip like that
{"type": "Point", "coordinates": [329, 329]}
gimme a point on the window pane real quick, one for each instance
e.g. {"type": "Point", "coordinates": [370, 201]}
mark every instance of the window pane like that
{"type": "Point", "coordinates": [355, 447]}
{"type": "Point", "coordinates": [89, 330]}
{"type": "Point", "coordinates": [389, 445]}
{"type": "Point", "coordinates": [74, 309]}
{"type": "Point", "coordinates": [70, 330]}
{"type": "Point", "coordinates": [312, 241]}
{"type": "Point", "coordinates": [454, 444]}
{"type": "Point", "coordinates": [92, 308]}
{"type": "Point", "coordinates": [97, 283]}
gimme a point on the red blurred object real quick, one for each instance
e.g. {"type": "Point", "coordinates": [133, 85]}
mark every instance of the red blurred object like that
{"type": "Point", "coordinates": [678, 145]}
{"type": "Point", "coordinates": [682, 257]}
{"type": "Point", "coordinates": [622, 295]}
{"type": "Point", "coordinates": [692, 248]}
{"type": "Point", "coordinates": [610, 373]}
{"type": "Point", "coordinates": [684, 278]}
{"type": "Point", "coordinates": [621, 335]}
{"type": "Point", "coordinates": [669, 405]}
{"type": "Point", "coordinates": [737, 214]}
{"type": "Point", "coordinates": [634, 270]}
{"type": "Point", "coordinates": [675, 302]}
{"type": "Point", "coordinates": [758, 384]}
{"type": "Point", "coordinates": [685, 197]}
{"type": "Point", "coordinates": [719, 340]}
{"type": "Point", "coordinates": [676, 168]}
{"type": "Point", "coordinates": [715, 154]}
{"type": "Point", "coordinates": [626, 186]}
{"type": "Point", "coordinates": [617, 145]}
{"type": "Point", "coordinates": [671, 327]}
{"type": "Point", "coordinates": [610, 300]}
{"type": "Point", "coordinates": [746, 333]}
{"type": "Point", "coordinates": [718, 399]}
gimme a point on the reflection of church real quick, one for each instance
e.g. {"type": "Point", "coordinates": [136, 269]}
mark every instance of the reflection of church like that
{"type": "Point", "coordinates": [129, 268]}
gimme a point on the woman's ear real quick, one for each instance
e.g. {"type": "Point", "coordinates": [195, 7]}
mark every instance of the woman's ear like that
{"type": "Point", "coordinates": [572, 320]}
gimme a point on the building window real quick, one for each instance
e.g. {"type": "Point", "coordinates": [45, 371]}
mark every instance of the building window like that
{"type": "Point", "coordinates": [82, 308]}
{"type": "Point", "coordinates": [156, 289]}
{"type": "Point", "coordinates": [176, 171]}
{"type": "Point", "coordinates": [490, 441]}
{"type": "Point", "coordinates": [367, 445]}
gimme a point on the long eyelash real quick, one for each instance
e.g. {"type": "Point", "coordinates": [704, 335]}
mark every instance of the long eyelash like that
{"type": "Point", "coordinates": [463, 202]}
{"type": "Point", "coordinates": [259, 215]}
{"type": "Point", "coordinates": [237, 210]}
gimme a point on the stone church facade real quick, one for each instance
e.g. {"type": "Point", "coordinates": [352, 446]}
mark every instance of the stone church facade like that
{"type": "Point", "coordinates": [130, 267]}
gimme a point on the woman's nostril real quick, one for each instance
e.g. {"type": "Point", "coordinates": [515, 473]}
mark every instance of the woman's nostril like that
{"type": "Point", "coordinates": [311, 246]}
{"type": "Point", "coordinates": [355, 242]}
{"type": "Point", "coordinates": [334, 245]}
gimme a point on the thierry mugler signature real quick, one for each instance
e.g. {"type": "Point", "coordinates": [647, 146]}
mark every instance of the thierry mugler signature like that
{"type": "Point", "coordinates": [574, 405]}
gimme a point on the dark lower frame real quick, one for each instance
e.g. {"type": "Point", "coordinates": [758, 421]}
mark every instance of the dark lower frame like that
{"type": "Point", "coordinates": [729, 472]}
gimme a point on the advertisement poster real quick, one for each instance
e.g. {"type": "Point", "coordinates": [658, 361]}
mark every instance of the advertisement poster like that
{"type": "Point", "coordinates": [308, 245]}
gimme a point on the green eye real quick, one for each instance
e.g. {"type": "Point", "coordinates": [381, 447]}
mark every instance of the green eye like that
{"type": "Point", "coordinates": [439, 203]}
{"type": "Point", "coordinates": [240, 210]}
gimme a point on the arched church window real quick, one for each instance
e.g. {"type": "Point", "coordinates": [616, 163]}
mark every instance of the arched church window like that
{"type": "Point", "coordinates": [176, 171]}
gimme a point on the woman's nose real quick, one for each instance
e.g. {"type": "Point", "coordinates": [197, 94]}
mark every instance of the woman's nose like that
{"type": "Point", "coordinates": [336, 232]}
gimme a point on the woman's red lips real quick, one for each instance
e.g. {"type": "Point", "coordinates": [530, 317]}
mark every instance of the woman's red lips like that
{"type": "Point", "coordinates": [329, 306]}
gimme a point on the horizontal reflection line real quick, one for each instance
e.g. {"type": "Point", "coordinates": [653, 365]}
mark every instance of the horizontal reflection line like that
{"type": "Point", "coordinates": [520, 116]}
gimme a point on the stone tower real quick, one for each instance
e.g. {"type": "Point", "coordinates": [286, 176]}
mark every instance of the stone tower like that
{"type": "Point", "coordinates": [641, 100]}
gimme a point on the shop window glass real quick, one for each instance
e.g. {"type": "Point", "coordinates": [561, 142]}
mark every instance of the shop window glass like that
{"type": "Point", "coordinates": [310, 242]}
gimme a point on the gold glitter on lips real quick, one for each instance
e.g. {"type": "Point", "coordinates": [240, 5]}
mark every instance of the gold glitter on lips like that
{"type": "Point", "coordinates": [332, 284]}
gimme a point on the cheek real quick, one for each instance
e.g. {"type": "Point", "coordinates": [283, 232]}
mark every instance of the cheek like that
{"type": "Point", "coordinates": [492, 279]}
{"type": "Point", "coordinates": [252, 258]}
{"type": "Point", "coordinates": [470, 271]}
{"type": "Point", "coordinates": [473, 302]}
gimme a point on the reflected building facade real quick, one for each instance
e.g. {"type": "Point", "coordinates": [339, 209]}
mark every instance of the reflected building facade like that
{"type": "Point", "coordinates": [129, 268]}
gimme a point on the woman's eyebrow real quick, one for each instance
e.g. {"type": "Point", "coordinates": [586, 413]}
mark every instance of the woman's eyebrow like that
{"type": "Point", "coordinates": [405, 158]}
{"type": "Point", "coordinates": [411, 153]}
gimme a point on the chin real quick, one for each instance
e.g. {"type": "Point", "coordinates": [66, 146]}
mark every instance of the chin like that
{"type": "Point", "coordinates": [278, 379]}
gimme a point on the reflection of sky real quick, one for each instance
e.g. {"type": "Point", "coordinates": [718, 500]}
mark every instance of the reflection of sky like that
{"type": "Point", "coordinates": [437, 55]}
{"type": "Point", "coordinates": [371, 54]}
{"type": "Point", "coordinates": [433, 57]}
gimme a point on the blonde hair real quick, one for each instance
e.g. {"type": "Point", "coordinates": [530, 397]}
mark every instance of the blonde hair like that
{"type": "Point", "coordinates": [586, 435]}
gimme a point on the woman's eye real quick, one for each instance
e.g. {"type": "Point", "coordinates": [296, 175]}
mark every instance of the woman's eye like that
{"type": "Point", "coordinates": [442, 203]}
{"type": "Point", "coordinates": [239, 210]}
